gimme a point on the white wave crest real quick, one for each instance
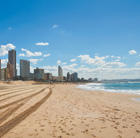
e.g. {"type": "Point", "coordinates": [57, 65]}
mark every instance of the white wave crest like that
{"type": "Point", "coordinates": [100, 87]}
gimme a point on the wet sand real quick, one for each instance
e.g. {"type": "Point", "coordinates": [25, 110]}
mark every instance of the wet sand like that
{"type": "Point", "coordinates": [33, 111]}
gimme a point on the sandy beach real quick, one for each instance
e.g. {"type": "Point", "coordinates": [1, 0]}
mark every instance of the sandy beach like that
{"type": "Point", "coordinates": [34, 111]}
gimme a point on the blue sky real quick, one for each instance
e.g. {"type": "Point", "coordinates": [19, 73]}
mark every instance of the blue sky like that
{"type": "Point", "coordinates": [96, 38]}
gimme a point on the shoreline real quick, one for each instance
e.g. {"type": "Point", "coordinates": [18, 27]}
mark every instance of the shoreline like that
{"type": "Point", "coordinates": [88, 88]}
{"type": "Point", "coordinates": [133, 96]}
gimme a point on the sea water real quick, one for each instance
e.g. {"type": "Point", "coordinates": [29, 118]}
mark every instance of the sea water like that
{"type": "Point", "coordinates": [121, 87]}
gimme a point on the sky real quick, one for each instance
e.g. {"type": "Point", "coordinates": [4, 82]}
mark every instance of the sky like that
{"type": "Point", "coordinates": [96, 38]}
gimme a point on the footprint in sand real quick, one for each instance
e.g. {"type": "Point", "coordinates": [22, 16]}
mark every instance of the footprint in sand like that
{"type": "Point", "coordinates": [132, 125]}
{"type": "Point", "coordinates": [119, 131]}
{"type": "Point", "coordinates": [103, 127]}
{"type": "Point", "coordinates": [68, 134]}
{"type": "Point", "coordinates": [72, 134]}
{"type": "Point", "coordinates": [82, 122]}
{"type": "Point", "coordinates": [93, 135]}
{"type": "Point", "coordinates": [138, 131]}
{"type": "Point", "coordinates": [85, 131]}
{"type": "Point", "coordinates": [49, 122]}
{"type": "Point", "coordinates": [71, 129]}
{"type": "Point", "coordinates": [117, 123]}
{"type": "Point", "coordinates": [36, 134]}
{"type": "Point", "coordinates": [73, 125]}
{"type": "Point", "coordinates": [42, 125]}
{"type": "Point", "coordinates": [124, 120]}
{"type": "Point", "coordinates": [30, 134]}
{"type": "Point", "coordinates": [35, 130]}
{"type": "Point", "coordinates": [87, 125]}
{"type": "Point", "coordinates": [42, 129]}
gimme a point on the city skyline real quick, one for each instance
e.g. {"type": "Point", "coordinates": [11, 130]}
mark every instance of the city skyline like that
{"type": "Point", "coordinates": [93, 39]}
{"type": "Point", "coordinates": [9, 73]}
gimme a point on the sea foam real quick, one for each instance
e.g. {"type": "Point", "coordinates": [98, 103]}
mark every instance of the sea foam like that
{"type": "Point", "coordinates": [123, 87]}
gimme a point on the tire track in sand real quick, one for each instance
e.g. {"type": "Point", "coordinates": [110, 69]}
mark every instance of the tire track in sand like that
{"type": "Point", "coordinates": [11, 88]}
{"type": "Point", "coordinates": [20, 100]}
{"type": "Point", "coordinates": [7, 98]}
{"type": "Point", "coordinates": [9, 112]}
{"type": "Point", "coordinates": [11, 92]}
{"type": "Point", "coordinates": [19, 118]}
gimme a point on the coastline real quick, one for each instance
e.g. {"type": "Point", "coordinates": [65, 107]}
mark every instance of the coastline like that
{"type": "Point", "coordinates": [110, 88]}
{"type": "Point", "coordinates": [71, 112]}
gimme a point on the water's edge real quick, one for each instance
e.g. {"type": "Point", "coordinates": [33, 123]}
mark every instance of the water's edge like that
{"type": "Point", "coordinates": [123, 88]}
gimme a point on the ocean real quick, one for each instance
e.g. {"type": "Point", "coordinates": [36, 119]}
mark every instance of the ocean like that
{"type": "Point", "coordinates": [121, 87]}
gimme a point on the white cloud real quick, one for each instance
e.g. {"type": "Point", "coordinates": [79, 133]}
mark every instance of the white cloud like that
{"type": "Point", "coordinates": [69, 66]}
{"type": "Point", "coordinates": [116, 58]}
{"type": "Point", "coordinates": [95, 61]}
{"type": "Point", "coordinates": [66, 68]}
{"type": "Point", "coordinates": [132, 52]}
{"type": "Point", "coordinates": [5, 48]}
{"type": "Point", "coordinates": [99, 72]}
{"type": "Point", "coordinates": [51, 69]}
{"type": "Point", "coordinates": [115, 63]}
{"type": "Point", "coordinates": [108, 73]}
{"type": "Point", "coordinates": [42, 44]}
{"type": "Point", "coordinates": [72, 60]}
{"type": "Point", "coordinates": [29, 53]}
{"type": "Point", "coordinates": [64, 63]}
{"type": "Point", "coordinates": [47, 55]}
{"type": "Point", "coordinates": [55, 26]}
{"type": "Point", "coordinates": [31, 69]}
{"type": "Point", "coordinates": [101, 61]}
{"type": "Point", "coordinates": [22, 55]}
{"type": "Point", "coordinates": [59, 62]}
{"type": "Point", "coordinates": [34, 61]}
{"type": "Point", "coordinates": [87, 59]}
{"type": "Point", "coordinates": [4, 62]}
{"type": "Point", "coordinates": [138, 64]}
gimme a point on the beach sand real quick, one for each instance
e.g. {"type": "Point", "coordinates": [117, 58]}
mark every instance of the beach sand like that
{"type": "Point", "coordinates": [34, 111]}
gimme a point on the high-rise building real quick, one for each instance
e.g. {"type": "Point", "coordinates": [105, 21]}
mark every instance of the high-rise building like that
{"type": "Point", "coordinates": [25, 69]}
{"type": "Point", "coordinates": [9, 71]}
{"type": "Point", "coordinates": [68, 77]}
{"type": "Point", "coordinates": [48, 76]}
{"type": "Point", "coordinates": [38, 74]}
{"type": "Point", "coordinates": [74, 76]}
{"type": "Point", "coordinates": [12, 60]}
{"type": "Point", "coordinates": [0, 64]}
{"type": "Point", "coordinates": [60, 73]}
{"type": "Point", "coordinates": [31, 76]}
{"type": "Point", "coordinates": [3, 74]}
